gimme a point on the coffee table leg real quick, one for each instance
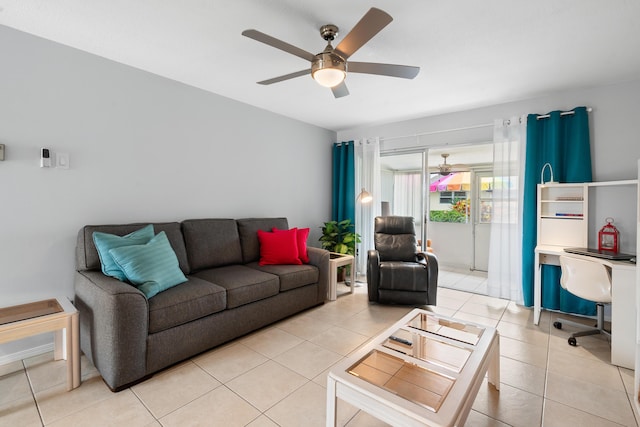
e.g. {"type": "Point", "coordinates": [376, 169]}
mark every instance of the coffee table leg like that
{"type": "Point", "coordinates": [331, 402]}
{"type": "Point", "coordinates": [494, 364]}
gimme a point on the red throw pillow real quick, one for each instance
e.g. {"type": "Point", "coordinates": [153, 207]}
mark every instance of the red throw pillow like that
{"type": "Point", "coordinates": [278, 248]}
{"type": "Point", "coordinates": [302, 235]}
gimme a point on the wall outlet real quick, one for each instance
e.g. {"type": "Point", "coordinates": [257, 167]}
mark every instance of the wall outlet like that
{"type": "Point", "coordinates": [1, 152]}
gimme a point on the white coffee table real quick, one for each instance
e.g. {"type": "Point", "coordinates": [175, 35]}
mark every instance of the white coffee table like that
{"type": "Point", "coordinates": [426, 369]}
{"type": "Point", "coordinates": [53, 315]}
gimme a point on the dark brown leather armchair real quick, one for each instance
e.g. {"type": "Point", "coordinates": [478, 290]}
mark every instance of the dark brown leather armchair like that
{"type": "Point", "coordinates": [397, 273]}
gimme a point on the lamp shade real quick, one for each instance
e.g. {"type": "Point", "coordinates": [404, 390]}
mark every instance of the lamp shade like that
{"type": "Point", "coordinates": [364, 196]}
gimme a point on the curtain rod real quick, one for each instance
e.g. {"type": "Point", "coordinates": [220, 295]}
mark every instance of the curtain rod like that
{"type": "Point", "coordinates": [435, 132]}
{"type": "Point", "coordinates": [562, 113]}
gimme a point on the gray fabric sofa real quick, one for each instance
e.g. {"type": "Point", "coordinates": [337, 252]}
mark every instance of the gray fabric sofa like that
{"type": "Point", "coordinates": [129, 337]}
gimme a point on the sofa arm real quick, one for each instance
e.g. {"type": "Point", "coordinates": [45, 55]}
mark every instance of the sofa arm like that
{"type": "Point", "coordinates": [320, 258]}
{"type": "Point", "coordinates": [373, 273]}
{"type": "Point", "coordinates": [114, 323]}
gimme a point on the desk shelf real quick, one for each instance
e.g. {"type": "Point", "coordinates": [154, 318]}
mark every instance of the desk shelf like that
{"type": "Point", "coordinates": [562, 214]}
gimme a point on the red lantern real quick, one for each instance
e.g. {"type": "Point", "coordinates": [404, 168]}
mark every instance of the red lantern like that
{"type": "Point", "coordinates": [609, 237]}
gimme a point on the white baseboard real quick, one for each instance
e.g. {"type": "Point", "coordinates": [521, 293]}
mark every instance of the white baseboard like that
{"type": "Point", "coordinates": [25, 354]}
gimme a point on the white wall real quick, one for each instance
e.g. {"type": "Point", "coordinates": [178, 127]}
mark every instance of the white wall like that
{"type": "Point", "coordinates": [142, 148]}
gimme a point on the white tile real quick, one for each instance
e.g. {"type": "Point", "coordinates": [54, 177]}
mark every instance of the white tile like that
{"type": "Point", "coordinates": [308, 359]}
{"type": "Point", "coordinates": [271, 341]}
{"type": "Point", "coordinates": [339, 340]}
{"type": "Point", "coordinates": [610, 404]}
{"type": "Point", "coordinates": [228, 362]}
{"type": "Point", "coordinates": [219, 407]}
{"type": "Point", "coordinates": [510, 405]}
{"type": "Point", "coordinates": [304, 407]}
{"type": "Point", "coordinates": [56, 402]}
{"type": "Point", "coordinates": [170, 389]}
{"type": "Point", "coordinates": [123, 409]}
{"type": "Point", "coordinates": [20, 411]}
{"type": "Point", "coordinates": [267, 384]}
{"type": "Point", "coordinates": [559, 415]}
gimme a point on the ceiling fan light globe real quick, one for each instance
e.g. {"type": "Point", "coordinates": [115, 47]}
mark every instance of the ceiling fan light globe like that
{"type": "Point", "coordinates": [329, 77]}
{"type": "Point", "coordinates": [328, 69]}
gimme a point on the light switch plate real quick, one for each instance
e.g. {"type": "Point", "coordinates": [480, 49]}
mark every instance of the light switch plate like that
{"type": "Point", "coordinates": [1, 152]}
{"type": "Point", "coordinates": [62, 160]}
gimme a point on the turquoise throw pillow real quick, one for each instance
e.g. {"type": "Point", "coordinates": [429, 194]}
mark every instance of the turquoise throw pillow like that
{"type": "Point", "coordinates": [152, 267]}
{"type": "Point", "coordinates": [105, 242]}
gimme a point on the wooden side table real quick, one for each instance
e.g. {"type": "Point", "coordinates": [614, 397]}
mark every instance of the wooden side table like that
{"type": "Point", "coordinates": [338, 260]}
{"type": "Point", "coordinates": [53, 315]}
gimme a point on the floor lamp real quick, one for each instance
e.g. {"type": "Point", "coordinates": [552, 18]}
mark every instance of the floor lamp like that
{"type": "Point", "coordinates": [363, 198]}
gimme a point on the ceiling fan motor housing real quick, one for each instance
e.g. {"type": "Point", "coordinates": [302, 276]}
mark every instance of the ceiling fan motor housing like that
{"type": "Point", "coordinates": [328, 60]}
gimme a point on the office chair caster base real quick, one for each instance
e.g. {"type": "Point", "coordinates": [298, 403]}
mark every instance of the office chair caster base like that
{"type": "Point", "coordinates": [572, 342]}
{"type": "Point", "coordinates": [557, 325]}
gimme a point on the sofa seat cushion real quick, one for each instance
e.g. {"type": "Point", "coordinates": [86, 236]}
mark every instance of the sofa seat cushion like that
{"type": "Point", "coordinates": [244, 285]}
{"type": "Point", "coordinates": [188, 301]}
{"type": "Point", "coordinates": [291, 276]}
{"type": "Point", "coordinates": [403, 276]}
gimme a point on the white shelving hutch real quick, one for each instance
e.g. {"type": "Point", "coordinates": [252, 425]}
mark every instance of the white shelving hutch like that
{"type": "Point", "coordinates": [563, 214]}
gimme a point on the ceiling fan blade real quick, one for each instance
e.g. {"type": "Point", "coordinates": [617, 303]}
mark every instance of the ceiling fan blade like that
{"type": "Point", "coordinates": [285, 77]}
{"type": "Point", "coordinates": [340, 90]}
{"type": "Point", "coordinates": [278, 44]}
{"type": "Point", "coordinates": [392, 70]}
{"type": "Point", "coordinates": [371, 23]}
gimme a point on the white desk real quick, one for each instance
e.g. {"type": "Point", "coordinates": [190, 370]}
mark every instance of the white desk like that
{"type": "Point", "coordinates": [623, 301]}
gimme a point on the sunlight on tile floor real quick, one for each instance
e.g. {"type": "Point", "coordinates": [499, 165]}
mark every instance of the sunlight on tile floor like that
{"type": "Point", "coordinates": [277, 375]}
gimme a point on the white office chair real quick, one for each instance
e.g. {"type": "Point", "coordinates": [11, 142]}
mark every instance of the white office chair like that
{"type": "Point", "coordinates": [590, 280]}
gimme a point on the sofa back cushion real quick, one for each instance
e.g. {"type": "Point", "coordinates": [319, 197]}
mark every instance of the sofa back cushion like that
{"type": "Point", "coordinates": [211, 243]}
{"type": "Point", "coordinates": [87, 255]}
{"type": "Point", "coordinates": [248, 230]}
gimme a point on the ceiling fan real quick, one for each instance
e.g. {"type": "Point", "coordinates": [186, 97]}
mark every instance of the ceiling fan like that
{"type": "Point", "coordinates": [329, 68]}
{"type": "Point", "coordinates": [446, 168]}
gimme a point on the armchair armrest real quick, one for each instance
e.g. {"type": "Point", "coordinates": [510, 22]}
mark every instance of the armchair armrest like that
{"type": "Point", "coordinates": [432, 267]}
{"type": "Point", "coordinates": [373, 274]}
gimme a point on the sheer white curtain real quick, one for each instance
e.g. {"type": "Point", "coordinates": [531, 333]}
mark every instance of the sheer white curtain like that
{"type": "Point", "coordinates": [505, 250]}
{"type": "Point", "coordinates": [407, 194]}
{"type": "Point", "coordinates": [367, 177]}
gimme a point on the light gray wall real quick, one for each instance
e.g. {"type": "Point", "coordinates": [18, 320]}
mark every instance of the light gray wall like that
{"type": "Point", "coordinates": [142, 148]}
{"type": "Point", "coordinates": [615, 143]}
{"type": "Point", "coordinates": [614, 129]}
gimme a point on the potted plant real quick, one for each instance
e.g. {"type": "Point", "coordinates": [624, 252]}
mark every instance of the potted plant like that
{"type": "Point", "coordinates": [340, 237]}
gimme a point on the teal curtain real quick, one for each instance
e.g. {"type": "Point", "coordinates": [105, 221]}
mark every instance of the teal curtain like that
{"type": "Point", "coordinates": [343, 191]}
{"type": "Point", "coordinates": [563, 141]}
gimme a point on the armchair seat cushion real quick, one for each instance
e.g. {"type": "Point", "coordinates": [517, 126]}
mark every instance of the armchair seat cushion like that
{"type": "Point", "coordinates": [403, 276]}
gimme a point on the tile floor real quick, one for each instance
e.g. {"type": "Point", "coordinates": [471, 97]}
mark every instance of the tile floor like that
{"type": "Point", "coordinates": [277, 376]}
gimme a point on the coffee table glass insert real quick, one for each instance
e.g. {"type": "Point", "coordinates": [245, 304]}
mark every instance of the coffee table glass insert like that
{"type": "Point", "coordinates": [29, 311]}
{"type": "Point", "coordinates": [447, 328]}
{"type": "Point", "coordinates": [428, 348]}
{"type": "Point", "coordinates": [409, 381]}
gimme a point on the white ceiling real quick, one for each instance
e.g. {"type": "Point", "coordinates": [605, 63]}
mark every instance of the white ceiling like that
{"type": "Point", "coordinates": [471, 53]}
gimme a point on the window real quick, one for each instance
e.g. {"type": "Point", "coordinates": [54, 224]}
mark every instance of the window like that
{"type": "Point", "coordinates": [451, 197]}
